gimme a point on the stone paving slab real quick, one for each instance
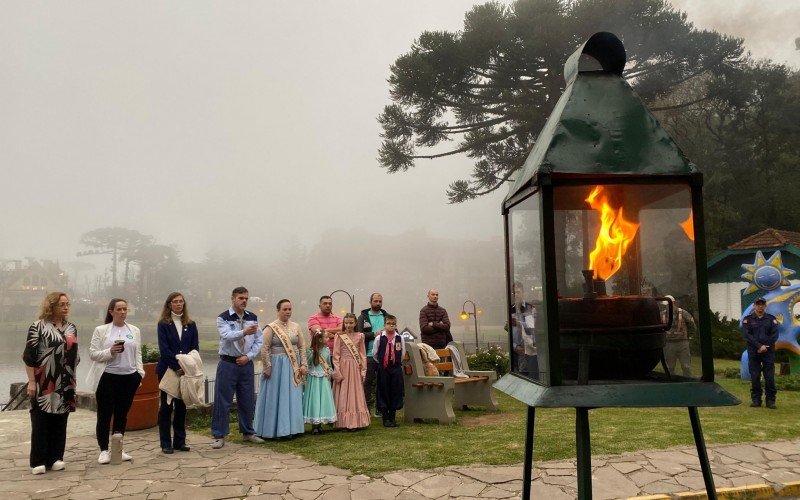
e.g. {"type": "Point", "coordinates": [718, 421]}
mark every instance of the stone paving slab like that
{"type": "Point", "coordinates": [252, 471]}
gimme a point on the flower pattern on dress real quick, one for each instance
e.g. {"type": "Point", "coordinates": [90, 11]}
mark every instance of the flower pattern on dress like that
{"type": "Point", "coordinates": [53, 354]}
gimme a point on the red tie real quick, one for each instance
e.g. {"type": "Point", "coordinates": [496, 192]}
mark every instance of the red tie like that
{"type": "Point", "coordinates": [388, 356]}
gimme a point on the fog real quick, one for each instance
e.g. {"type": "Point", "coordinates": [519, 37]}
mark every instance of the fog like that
{"type": "Point", "coordinates": [769, 27]}
{"type": "Point", "coordinates": [247, 128]}
{"type": "Point", "coordinates": [212, 125]}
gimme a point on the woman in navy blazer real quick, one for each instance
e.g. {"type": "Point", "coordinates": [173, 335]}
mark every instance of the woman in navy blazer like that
{"type": "Point", "coordinates": [177, 334]}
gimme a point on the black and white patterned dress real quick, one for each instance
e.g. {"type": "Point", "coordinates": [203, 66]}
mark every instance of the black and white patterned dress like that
{"type": "Point", "coordinates": [53, 353]}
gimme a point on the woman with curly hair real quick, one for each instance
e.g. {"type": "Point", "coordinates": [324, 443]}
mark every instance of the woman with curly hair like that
{"type": "Point", "coordinates": [51, 357]}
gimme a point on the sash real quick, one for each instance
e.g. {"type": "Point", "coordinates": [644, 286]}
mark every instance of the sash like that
{"type": "Point", "coordinates": [325, 367]}
{"type": "Point", "coordinates": [283, 336]}
{"type": "Point", "coordinates": [352, 348]}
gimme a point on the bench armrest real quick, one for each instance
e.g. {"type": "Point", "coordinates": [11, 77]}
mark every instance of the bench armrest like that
{"type": "Point", "coordinates": [481, 373]}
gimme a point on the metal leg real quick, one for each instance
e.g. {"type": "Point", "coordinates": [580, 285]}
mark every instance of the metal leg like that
{"type": "Point", "coordinates": [708, 478]}
{"type": "Point", "coordinates": [527, 466]}
{"type": "Point", "coordinates": [584, 449]}
{"type": "Point", "coordinates": [664, 365]}
{"type": "Point", "coordinates": [583, 365]}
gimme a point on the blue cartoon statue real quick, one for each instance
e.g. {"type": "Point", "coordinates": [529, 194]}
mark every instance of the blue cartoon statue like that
{"type": "Point", "coordinates": [770, 276]}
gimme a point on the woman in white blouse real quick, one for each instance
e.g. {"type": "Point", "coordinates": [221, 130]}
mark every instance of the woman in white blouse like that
{"type": "Point", "coordinates": [115, 374]}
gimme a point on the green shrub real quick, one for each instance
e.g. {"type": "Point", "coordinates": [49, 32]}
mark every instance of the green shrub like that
{"type": "Point", "coordinates": [788, 383]}
{"type": "Point", "coordinates": [726, 338]}
{"type": "Point", "coordinates": [198, 420]}
{"type": "Point", "coordinates": [729, 372]}
{"type": "Point", "coordinates": [150, 354]}
{"type": "Point", "coordinates": [493, 358]}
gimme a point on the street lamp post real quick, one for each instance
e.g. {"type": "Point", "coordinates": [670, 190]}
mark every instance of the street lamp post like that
{"type": "Point", "coordinates": [349, 296]}
{"type": "Point", "coordinates": [465, 315]}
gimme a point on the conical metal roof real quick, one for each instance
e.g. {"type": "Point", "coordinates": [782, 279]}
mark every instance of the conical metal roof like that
{"type": "Point", "coordinates": [600, 125]}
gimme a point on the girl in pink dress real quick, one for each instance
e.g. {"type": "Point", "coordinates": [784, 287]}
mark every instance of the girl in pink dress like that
{"type": "Point", "coordinates": [350, 369]}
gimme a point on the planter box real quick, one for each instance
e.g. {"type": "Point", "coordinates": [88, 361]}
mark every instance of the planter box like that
{"type": "Point", "coordinates": [144, 410]}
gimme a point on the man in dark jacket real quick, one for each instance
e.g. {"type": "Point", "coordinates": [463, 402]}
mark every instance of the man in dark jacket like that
{"type": "Point", "coordinates": [761, 332]}
{"type": "Point", "coordinates": [434, 325]}
{"type": "Point", "coordinates": [371, 322]}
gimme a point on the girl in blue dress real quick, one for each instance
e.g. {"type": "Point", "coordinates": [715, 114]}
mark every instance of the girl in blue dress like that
{"type": "Point", "coordinates": [318, 405]}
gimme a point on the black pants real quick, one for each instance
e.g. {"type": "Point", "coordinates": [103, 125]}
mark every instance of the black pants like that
{"type": "Point", "coordinates": [178, 421]}
{"type": "Point", "coordinates": [762, 363]}
{"type": "Point", "coordinates": [369, 382]}
{"type": "Point", "coordinates": [48, 437]}
{"type": "Point", "coordinates": [114, 397]}
{"type": "Point", "coordinates": [389, 388]}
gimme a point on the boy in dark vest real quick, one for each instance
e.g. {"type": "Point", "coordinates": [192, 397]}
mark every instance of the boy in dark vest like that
{"type": "Point", "coordinates": [388, 354]}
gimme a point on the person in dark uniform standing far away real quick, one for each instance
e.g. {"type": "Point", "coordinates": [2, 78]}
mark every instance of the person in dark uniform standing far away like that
{"type": "Point", "coordinates": [761, 332]}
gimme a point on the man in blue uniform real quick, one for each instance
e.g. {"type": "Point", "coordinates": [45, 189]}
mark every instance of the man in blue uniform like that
{"type": "Point", "coordinates": [240, 341]}
{"type": "Point", "coordinates": [761, 332]}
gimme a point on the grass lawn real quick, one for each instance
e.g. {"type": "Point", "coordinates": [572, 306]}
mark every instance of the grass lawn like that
{"type": "Point", "coordinates": [209, 345]}
{"type": "Point", "coordinates": [481, 437]}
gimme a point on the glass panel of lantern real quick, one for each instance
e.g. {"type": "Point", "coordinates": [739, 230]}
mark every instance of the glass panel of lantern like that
{"type": "Point", "coordinates": [624, 261]}
{"type": "Point", "coordinates": [526, 279]}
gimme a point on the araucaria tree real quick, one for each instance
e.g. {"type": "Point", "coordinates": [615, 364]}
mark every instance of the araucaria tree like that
{"type": "Point", "coordinates": [487, 90]}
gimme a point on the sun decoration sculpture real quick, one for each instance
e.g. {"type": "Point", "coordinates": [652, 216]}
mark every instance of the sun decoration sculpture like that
{"type": "Point", "coordinates": [769, 275]}
{"type": "Point", "coordinates": [766, 274]}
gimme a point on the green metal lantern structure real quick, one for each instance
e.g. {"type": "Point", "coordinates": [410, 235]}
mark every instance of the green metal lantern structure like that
{"type": "Point", "coordinates": [604, 241]}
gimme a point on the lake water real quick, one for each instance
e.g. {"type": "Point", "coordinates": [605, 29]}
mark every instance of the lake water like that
{"type": "Point", "coordinates": [12, 369]}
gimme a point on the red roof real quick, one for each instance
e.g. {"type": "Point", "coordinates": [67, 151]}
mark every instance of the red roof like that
{"type": "Point", "coordinates": [768, 238]}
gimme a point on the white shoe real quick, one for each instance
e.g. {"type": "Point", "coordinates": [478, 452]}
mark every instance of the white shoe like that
{"type": "Point", "coordinates": [104, 458]}
{"type": "Point", "coordinates": [126, 457]}
{"type": "Point", "coordinates": [252, 438]}
{"type": "Point", "coordinates": [39, 469]}
{"type": "Point", "coordinates": [218, 443]}
{"type": "Point", "coordinates": [58, 465]}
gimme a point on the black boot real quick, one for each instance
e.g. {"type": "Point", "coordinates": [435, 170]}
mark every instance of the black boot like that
{"type": "Point", "coordinates": [388, 418]}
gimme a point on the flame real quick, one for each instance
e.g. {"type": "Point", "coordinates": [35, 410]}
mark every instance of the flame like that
{"type": "Point", "coordinates": [688, 226]}
{"type": "Point", "coordinates": [613, 239]}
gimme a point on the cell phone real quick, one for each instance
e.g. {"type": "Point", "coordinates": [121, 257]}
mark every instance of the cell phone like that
{"type": "Point", "coordinates": [120, 342]}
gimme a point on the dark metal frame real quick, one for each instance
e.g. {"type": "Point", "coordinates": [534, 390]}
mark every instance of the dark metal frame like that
{"type": "Point", "coordinates": [22, 391]}
{"type": "Point", "coordinates": [544, 184]}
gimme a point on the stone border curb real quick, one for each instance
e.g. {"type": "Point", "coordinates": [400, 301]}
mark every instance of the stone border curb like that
{"type": "Point", "coordinates": [747, 492]}
{"type": "Point", "coordinates": [790, 488]}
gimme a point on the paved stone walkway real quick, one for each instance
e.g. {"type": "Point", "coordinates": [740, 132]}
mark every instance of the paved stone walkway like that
{"type": "Point", "coordinates": [237, 471]}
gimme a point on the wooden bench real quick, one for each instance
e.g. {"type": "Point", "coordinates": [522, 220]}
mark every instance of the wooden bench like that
{"type": "Point", "coordinates": [432, 397]}
{"type": "Point", "coordinates": [425, 397]}
{"type": "Point", "coordinates": [475, 390]}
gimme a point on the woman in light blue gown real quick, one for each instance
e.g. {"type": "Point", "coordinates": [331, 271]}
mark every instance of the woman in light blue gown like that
{"type": "Point", "coordinates": [279, 407]}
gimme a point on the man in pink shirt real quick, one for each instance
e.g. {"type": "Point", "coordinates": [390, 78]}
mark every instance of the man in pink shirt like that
{"type": "Point", "coordinates": [325, 320]}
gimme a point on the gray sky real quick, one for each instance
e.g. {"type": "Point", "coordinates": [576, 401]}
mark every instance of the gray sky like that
{"type": "Point", "coordinates": [212, 122]}
{"type": "Point", "coordinates": [234, 124]}
{"type": "Point", "coordinates": [769, 27]}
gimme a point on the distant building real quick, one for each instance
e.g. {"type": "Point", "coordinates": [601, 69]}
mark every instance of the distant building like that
{"type": "Point", "coordinates": [725, 284]}
{"type": "Point", "coordinates": [22, 286]}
